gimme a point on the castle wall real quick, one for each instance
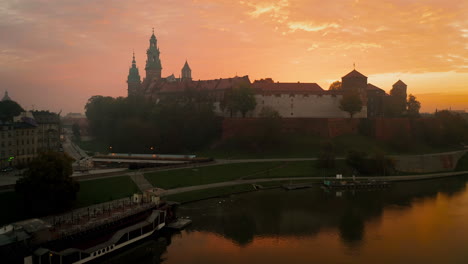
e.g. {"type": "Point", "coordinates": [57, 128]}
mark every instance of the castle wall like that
{"type": "Point", "coordinates": [304, 105]}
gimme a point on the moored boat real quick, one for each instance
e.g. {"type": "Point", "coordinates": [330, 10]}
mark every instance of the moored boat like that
{"type": "Point", "coordinates": [85, 234]}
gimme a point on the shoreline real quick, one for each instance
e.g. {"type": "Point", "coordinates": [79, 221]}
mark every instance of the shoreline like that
{"type": "Point", "coordinates": [315, 180]}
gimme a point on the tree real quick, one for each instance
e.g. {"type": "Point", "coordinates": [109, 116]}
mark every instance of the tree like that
{"type": "Point", "coordinates": [335, 86]}
{"type": "Point", "coordinates": [413, 106]}
{"type": "Point", "coordinates": [47, 186]}
{"type": "Point", "coordinates": [240, 99]}
{"type": "Point", "coordinates": [9, 109]}
{"type": "Point", "coordinates": [351, 103]}
{"type": "Point", "coordinates": [76, 131]}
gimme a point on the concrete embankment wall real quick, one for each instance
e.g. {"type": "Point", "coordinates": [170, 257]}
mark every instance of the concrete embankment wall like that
{"type": "Point", "coordinates": [428, 162]}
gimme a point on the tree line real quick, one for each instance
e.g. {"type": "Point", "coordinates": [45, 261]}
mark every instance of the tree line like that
{"type": "Point", "coordinates": [182, 123]}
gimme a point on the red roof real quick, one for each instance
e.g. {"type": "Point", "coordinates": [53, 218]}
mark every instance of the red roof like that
{"type": "Point", "coordinates": [287, 87]}
{"type": "Point", "coordinates": [163, 86]}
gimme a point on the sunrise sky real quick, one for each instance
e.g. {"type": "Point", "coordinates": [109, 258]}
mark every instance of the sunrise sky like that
{"type": "Point", "coordinates": [56, 54]}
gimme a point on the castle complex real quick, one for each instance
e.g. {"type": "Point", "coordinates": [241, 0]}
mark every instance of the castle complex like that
{"type": "Point", "coordinates": [304, 100]}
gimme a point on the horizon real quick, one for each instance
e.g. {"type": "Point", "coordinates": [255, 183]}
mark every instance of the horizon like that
{"type": "Point", "coordinates": [58, 55]}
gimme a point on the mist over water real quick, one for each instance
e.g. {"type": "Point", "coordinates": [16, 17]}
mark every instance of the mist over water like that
{"type": "Point", "coordinates": [411, 222]}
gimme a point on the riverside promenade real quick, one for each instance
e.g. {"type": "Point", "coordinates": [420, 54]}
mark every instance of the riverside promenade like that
{"type": "Point", "coordinates": [317, 179]}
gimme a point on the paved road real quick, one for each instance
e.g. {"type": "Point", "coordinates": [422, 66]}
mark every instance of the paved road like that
{"type": "Point", "coordinates": [239, 182]}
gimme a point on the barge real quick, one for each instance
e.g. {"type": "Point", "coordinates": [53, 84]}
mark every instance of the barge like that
{"type": "Point", "coordinates": [85, 234]}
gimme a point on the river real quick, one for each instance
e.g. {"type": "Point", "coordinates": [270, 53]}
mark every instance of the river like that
{"type": "Point", "coordinates": [410, 222]}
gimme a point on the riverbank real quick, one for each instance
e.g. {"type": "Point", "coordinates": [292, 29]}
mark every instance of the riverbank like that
{"type": "Point", "coordinates": [201, 192]}
{"type": "Point", "coordinates": [213, 180]}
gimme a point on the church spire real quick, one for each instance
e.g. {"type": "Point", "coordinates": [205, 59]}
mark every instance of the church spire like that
{"type": "Point", "coordinates": [186, 72]}
{"type": "Point", "coordinates": [133, 80]}
{"type": "Point", "coordinates": [153, 63]}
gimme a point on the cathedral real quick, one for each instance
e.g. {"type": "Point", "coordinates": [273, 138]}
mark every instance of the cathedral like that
{"type": "Point", "coordinates": [290, 100]}
{"type": "Point", "coordinates": [153, 70]}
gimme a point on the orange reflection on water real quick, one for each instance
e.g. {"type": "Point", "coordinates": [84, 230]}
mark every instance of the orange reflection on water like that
{"type": "Point", "coordinates": [430, 230]}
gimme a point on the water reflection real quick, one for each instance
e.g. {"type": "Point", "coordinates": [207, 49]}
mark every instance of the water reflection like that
{"type": "Point", "coordinates": [311, 224]}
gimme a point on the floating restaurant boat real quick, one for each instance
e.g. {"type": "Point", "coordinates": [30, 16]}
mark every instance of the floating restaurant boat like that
{"type": "Point", "coordinates": [85, 234]}
{"type": "Point", "coordinates": [354, 184]}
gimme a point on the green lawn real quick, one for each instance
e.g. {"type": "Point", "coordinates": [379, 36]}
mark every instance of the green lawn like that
{"type": "Point", "coordinates": [302, 169]}
{"type": "Point", "coordinates": [209, 193]}
{"type": "Point", "coordinates": [206, 175]}
{"type": "Point", "coordinates": [103, 190]}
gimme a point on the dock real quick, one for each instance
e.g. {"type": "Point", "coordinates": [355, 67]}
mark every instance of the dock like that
{"type": "Point", "coordinates": [291, 187]}
{"type": "Point", "coordinates": [179, 224]}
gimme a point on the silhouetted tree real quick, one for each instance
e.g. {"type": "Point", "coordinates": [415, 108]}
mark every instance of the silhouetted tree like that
{"type": "Point", "coordinates": [76, 131]}
{"type": "Point", "coordinates": [240, 99]}
{"type": "Point", "coordinates": [335, 86]}
{"type": "Point", "coordinates": [413, 106]}
{"type": "Point", "coordinates": [351, 103]}
{"type": "Point", "coordinates": [9, 109]}
{"type": "Point", "coordinates": [47, 186]}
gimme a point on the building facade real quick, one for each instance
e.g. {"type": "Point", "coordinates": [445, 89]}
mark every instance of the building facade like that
{"type": "Point", "coordinates": [48, 131]}
{"type": "Point", "coordinates": [18, 143]}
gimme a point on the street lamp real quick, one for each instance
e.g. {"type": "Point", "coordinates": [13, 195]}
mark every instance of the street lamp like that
{"type": "Point", "coordinates": [152, 151]}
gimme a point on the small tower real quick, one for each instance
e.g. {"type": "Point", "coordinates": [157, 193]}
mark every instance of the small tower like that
{"type": "Point", "coordinates": [399, 89]}
{"type": "Point", "coordinates": [398, 93]}
{"type": "Point", "coordinates": [186, 72]}
{"type": "Point", "coordinates": [133, 80]}
{"type": "Point", "coordinates": [355, 82]}
{"type": "Point", "coordinates": [6, 97]}
{"type": "Point", "coordinates": [153, 63]}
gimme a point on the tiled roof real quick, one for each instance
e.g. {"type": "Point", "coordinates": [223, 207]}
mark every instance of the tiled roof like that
{"type": "Point", "coordinates": [203, 85]}
{"type": "Point", "coordinates": [354, 73]}
{"type": "Point", "coordinates": [371, 87]}
{"type": "Point", "coordinates": [287, 87]}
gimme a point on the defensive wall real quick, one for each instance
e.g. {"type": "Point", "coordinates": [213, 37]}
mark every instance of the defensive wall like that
{"type": "Point", "coordinates": [426, 163]}
{"type": "Point", "coordinates": [323, 127]}
{"type": "Point", "coordinates": [379, 128]}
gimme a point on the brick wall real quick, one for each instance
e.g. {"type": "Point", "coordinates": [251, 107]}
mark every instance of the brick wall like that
{"type": "Point", "coordinates": [324, 127]}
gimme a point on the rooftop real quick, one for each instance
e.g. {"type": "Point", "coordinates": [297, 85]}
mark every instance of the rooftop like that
{"type": "Point", "coordinates": [354, 73]}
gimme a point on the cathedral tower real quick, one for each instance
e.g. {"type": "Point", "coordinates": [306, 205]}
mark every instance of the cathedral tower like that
{"type": "Point", "coordinates": [186, 72]}
{"type": "Point", "coordinates": [133, 80]}
{"type": "Point", "coordinates": [153, 63]}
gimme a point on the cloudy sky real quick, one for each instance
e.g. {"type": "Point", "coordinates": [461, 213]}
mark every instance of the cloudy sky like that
{"type": "Point", "coordinates": [55, 54]}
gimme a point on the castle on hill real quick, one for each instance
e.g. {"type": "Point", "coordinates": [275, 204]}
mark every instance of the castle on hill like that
{"type": "Point", "coordinates": [290, 100]}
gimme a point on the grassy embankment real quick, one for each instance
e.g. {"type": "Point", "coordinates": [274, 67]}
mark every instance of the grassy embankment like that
{"type": "Point", "coordinates": [228, 172]}
{"type": "Point", "coordinates": [301, 146]}
{"type": "Point", "coordinates": [91, 192]}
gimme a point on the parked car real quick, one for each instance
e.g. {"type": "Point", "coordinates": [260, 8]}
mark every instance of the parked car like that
{"type": "Point", "coordinates": [7, 169]}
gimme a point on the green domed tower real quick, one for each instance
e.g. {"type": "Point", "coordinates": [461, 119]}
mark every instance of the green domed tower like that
{"type": "Point", "coordinates": [153, 63]}
{"type": "Point", "coordinates": [133, 80]}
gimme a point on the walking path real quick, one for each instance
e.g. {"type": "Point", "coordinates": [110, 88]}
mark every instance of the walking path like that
{"type": "Point", "coordinates": [239, 182]}
{"type": "Point", "coordinates": [139, 179]}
